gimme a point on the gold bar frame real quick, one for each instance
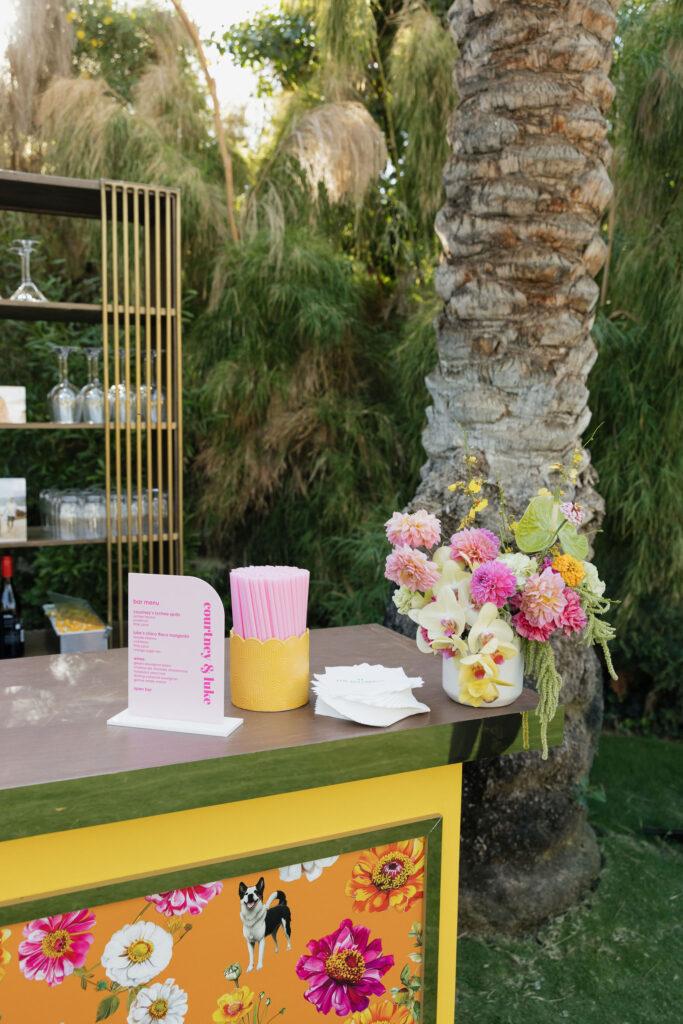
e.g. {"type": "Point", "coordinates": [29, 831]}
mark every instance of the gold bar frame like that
{"type": "Point", "coordinates": [141, 300]}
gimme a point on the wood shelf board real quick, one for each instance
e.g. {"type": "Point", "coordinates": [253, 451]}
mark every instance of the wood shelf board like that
{"type": "Point", "coordinates": [82, 426]}
{"type": "Point", "coordinates": [37, 538]}
{"type": "Point", "coordinates": [74, 312]}
{"type": "Point", "coordinates": [43, 193]}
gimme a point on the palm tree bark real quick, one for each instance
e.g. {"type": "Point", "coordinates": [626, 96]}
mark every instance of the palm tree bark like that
{"type": "Point", "coordinates": [526, 186]}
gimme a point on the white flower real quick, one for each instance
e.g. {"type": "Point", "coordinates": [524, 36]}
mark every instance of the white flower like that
{"type": "Point", "coordinates": [136, 953]}
{"type": "Point", "coordinates": [592, 581]}
{"type": "Point", "coordinates": [491, 635]}
{"type": "Point", "coordinates": [451, 572]}
{"type": "Point", "coordinates": [521, 566]}
{"type": "Point", "coordinates": [405, 599]}
{"type": "Point", "coordinates": [444, 619]}
{"type": "Point", "coordinates": [311, 868]}
{"type": "Point", "coordinates": [160, 1002]}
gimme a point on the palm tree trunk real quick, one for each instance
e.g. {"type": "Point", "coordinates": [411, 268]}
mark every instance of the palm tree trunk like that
{"type": "Point", "coordinates": [526, 186]}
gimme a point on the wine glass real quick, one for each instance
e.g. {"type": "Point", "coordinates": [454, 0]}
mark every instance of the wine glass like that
{"type": "Point", "coordinates": [27, 291]}
{"type": "Point", "coordinates": [117, 396]}
{"type": "Point", "coordinates": [91, 395]}
{"type": "Point", "coordinates": [63, 397]}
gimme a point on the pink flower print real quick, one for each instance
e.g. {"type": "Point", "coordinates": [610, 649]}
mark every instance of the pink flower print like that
{"type": "Point", "coordinates": [572, 618]}
{"type": "Point", "coordinates": [411, 569]}
{"type": "Point", "coordinates": [343, 970]}
{"type": "Point", "coordinates": [572, 512]}
{"type": "Point", "coordinates": [417, 529]}
{"type": "Point", "coordinates": [53, 946]}
{"type": "Point", "coordinates": [474, 546]}
{"type": "Point", "coordinates": [492, 581]}
{"type": "Point", "coordinates": [176, 902]}
{"type": "Point", "coordinates": [543, 597]}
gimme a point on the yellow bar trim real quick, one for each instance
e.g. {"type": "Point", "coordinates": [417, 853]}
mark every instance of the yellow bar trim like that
{"type": "Point", "coordinates": [105, 378]}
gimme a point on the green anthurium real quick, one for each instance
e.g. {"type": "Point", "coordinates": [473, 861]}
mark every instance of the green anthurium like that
{"type": "Point", "coordinates": [534, 531]}
{"type": "Point", "coordinates": [573, 543]}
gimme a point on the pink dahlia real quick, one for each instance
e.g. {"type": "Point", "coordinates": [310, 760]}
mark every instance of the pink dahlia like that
{"type": "Point", "coordinates": [572, 618]}
{"type": "Point", "coordinates": [53, 946]}
{"type": "Point", "coordinates": [474, 546]}
{"type": "Point", "coordinates": [543, 597]}
{"type": "Point", "coordinates": [417, 529]}
{"type": "Point", "coordinates": [343, 970]}
{"type": "Point", "coordinates": [572, 512]}
{"type": "Point", "coordinates": [530, 631]}
{"type": "Point", "coordinates": [411, 569]}
{"type": "Point", "coordinates": [183, 901]}
{"type": "Point", "coordinates": [492, 581]}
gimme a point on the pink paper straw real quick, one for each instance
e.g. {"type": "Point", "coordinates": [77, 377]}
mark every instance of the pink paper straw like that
{"type": "Point", "coordinates": [269, 601]}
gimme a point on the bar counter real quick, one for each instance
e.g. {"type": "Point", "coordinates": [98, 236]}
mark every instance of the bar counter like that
{"type": "Point", "coordinates": [101, 817]}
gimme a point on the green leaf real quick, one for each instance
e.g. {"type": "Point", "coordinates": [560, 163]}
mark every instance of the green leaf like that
{"type": "Point", "coordinates": [573, 543]}
{"type": "Point", "coordinates": [107, 1007]}
{"type": "Point", "coordinates": [534, 532]}
{"type": "Point", "coordinates": [405, 974]}
{"type": "Point", "coordinates": [130, 998]}
{"type": "Point", "coordinates": [416, 1011]}
{"type": "Point", "coordinates": [416, 958]}
{"type": "Point", "coordinates": [84, 983]}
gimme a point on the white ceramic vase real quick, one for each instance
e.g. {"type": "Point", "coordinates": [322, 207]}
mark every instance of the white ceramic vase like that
{"type": "Point", "coordinates": [512, 671]}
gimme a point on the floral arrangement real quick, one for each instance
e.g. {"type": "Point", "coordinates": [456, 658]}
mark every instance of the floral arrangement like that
{"type": "Point", "coordinates": [485, 598]}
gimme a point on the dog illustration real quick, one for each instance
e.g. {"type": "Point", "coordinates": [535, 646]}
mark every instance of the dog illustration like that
{"type": "Point", "coordinates": [260, 919]}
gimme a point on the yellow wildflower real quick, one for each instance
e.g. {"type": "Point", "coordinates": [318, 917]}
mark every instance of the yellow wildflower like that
{"type": "Point", "coordinates": [542, 491]}
{"type": "Point", "coordinates": [470, 459]}
{"type": "Point", "coordinates": [71, 16]}
{"type": "Point", "coordinates": [577, 457]}
{"type": "Point", "coordinates": [573, 475]}
{"type": "Point", "coordinates": [108, 20]}
{"type": "Point", "coordinates": [474, 486]}
{"type": "Point", "coordinates": [555, 465]}
{"type": "Point", "coordinates": [132, 14]}
{"type": "Point", "coordinates": [457, 486]}
{"type": "Point", "coordinates": [80, 34]}
{"type": "Point", "coordinates": [93, 42]}
{"type": "Point", "coordinates": [481, 505]}
{"type": "Point", "coordinates": [570, 569]}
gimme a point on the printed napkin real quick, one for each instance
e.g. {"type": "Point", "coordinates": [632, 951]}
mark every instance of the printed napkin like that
{"type": "Point", "coordinates": [368, 694]}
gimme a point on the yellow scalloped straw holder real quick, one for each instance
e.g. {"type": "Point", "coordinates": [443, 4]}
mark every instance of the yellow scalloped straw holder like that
{"type": "Point", "coordinates": [269, 675]}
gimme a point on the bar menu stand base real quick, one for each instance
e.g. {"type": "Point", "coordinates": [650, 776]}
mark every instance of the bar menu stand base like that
{"type": "Point", "coordinates": [224, 728]}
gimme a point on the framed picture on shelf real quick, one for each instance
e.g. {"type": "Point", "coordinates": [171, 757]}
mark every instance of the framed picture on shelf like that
{"type": "Point", "coordinates": [12, 404]}
{"type": "Point", "coordinates": [13, 509]}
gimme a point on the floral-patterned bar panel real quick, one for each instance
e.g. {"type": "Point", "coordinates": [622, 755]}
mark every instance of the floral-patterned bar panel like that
{"type": "Point", "coordinates": [337, 939]}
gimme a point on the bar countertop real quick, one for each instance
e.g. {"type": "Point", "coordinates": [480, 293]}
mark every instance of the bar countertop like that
{"type": "Point", "coordinates": [55, 744]}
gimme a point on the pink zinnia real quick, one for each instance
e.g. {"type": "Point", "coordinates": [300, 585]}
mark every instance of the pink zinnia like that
{"type": "Point", "coordinates": [572, 512]}
{"type": "Point", "coordinates": [572, 618]}
{"type": "Point", "coordinates": [182, 901]}
{"type": "Point", "coordinates": [411, 569]}
{"type": "Point", "coordinates": [54, 946]}
{"type": "Point", "coordinates": [417, 529]}
{"type": "Point", "coordinates": [531, 632]}
{"type": "Point", "coordinates": [343, 970]}
{"type": "Point", "coordinates": [543, 597]}
{"type": "Point", "coordinates": [474, 546]}
{"type": "Point", "coordinates": [492, 581]}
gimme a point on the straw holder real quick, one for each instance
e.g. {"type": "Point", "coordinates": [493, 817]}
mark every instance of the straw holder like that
{"type": "Point", "coordinates": [268, 675]}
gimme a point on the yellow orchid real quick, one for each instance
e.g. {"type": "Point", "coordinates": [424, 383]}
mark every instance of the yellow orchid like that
{"type": "Point", "coordinates": [478, 680]}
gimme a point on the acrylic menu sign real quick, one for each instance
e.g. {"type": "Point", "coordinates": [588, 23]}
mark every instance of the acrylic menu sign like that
{"type": "Point", "coordinates": [176, 656]}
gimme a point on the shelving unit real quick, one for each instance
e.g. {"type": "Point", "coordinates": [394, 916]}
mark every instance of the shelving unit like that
{"type": "Point", "coordinates": [140, 316]}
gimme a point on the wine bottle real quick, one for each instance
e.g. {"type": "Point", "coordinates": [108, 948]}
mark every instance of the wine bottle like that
{"type": "Point", "coordinates": [11, 624]}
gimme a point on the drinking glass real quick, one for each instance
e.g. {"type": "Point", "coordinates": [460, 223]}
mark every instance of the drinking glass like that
{"type": "Point", "coordinates": [70, 515]}
{"type": "Point", "coordinates": [63, 397]}
{"type": "Point", "coordinates": [117, 395]}
{"type": "Point", "coordinates": [91, 395]}
{"type": "Point", "coordinates": [151, 396]}
{"type": "Point", "coordinates": [27, 291]}
{"type": "Point", "coordinates": [94, 514]}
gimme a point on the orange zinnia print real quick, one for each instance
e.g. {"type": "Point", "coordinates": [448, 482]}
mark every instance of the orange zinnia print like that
{"type": "Point", "coordinates": [388, 876]}
{"type": "Point", "coordinates": [385, 1012]}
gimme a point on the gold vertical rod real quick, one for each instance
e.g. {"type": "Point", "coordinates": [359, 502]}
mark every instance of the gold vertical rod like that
{"type": "Point", "coordinates": [159, 451]}
{"type": "Point", "coordinates": [125, 196]}
{"type": "Point", "coordinates": [169, 379]}
{"type": "Point", "coordinates": [175, 410]}
{"type": "Point", "coordinates": [117, 403]}
{"type": "Point", "coordinates": [148, 377]}
{"type": "Point", "coordinates": [107, 422]}
{"type": "Point", "coordinates": [137, 193]}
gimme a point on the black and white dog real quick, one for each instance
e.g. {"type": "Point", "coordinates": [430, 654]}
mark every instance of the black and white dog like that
{"type": "Point", "coordinates": [260, 919]}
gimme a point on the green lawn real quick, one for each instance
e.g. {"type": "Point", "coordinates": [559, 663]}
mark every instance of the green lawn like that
{"type": "Point", "coordinates": [618, 957]}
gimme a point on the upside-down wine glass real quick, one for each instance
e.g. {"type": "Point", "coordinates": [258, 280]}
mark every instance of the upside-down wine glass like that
{"type": "Point", "coordinates": [63, 398]}
{"type": "Point", "coordinates": [27, 291]}
{"type": "Point", "coordinates": [91, 395]}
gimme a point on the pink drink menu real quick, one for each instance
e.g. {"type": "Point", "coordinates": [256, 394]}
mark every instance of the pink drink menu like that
{"type": "Point", "coordinates": [176, 650]}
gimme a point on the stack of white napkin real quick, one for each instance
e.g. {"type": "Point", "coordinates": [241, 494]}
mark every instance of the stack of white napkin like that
{"type": "Point", "coordinates": [369, 694]}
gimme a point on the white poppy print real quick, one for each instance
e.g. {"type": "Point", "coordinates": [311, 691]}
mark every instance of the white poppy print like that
{"type": "Point", "coordinates": [136, 953]}
{"type": "Point", "coordinates": [163, 1002]}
